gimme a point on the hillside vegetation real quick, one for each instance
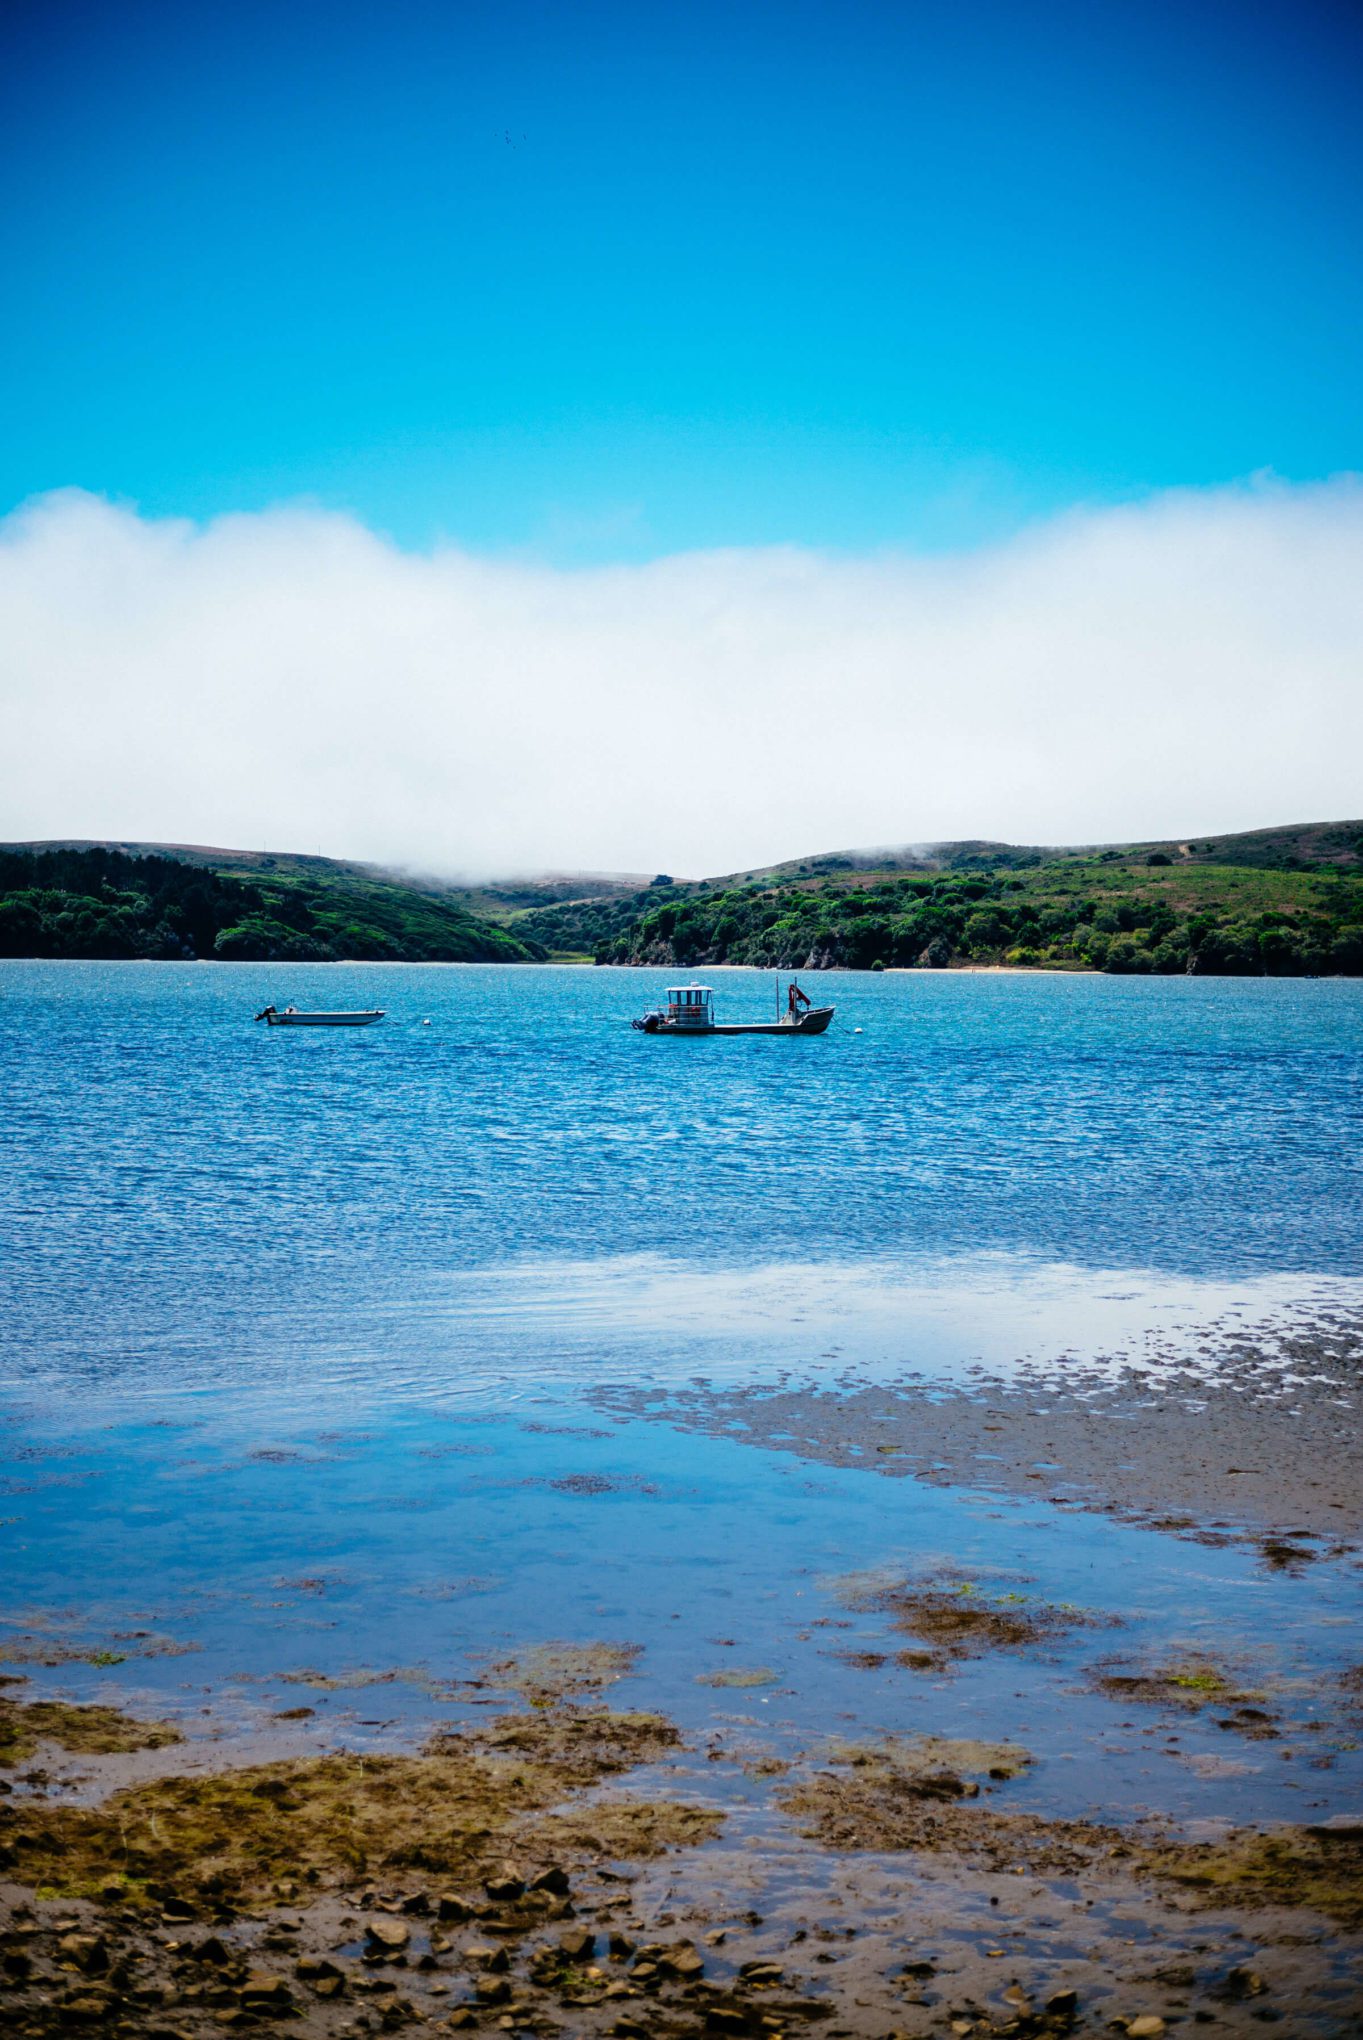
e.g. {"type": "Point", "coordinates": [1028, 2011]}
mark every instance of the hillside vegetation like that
{"type": "Point", "coordinates": [100, 902]}
{"type": "Point", "coordinates": [1274, 902]}
{"type": "Point", "coordinates": [1241, 906]}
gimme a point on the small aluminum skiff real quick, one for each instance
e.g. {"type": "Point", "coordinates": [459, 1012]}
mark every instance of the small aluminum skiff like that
{"type": "Point", "coordinates": [291, 1017]}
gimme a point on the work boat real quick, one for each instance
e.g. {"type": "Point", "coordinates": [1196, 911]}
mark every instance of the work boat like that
{"type": "Point", "coordinates": [690, 1009]}
{"type": "Point", "coordinates": [291, 1017]}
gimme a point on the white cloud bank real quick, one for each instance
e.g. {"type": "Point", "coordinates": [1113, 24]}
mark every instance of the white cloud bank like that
{"type": "Point", "coordinates": [291, 680]}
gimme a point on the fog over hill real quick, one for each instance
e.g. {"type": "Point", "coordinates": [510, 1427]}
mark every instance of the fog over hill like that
{"type": "Point", "coordinates": [1281, 846]}
{"type": "Point", "coordinates": [1334, 843]}
{"type": "Point", "coordinates": [1284, 901]}
{"type": "Point", "coordinates": [289, 676]}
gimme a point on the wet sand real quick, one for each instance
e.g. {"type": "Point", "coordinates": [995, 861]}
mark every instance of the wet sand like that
{"type": "Point", "coordinates": [1239, 1437]}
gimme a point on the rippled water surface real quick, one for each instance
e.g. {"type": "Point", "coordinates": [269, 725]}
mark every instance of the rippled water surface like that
{"type": "Point", "coordinates": [182, 1190]}
{"type": "Point", "coordinates": [299, 1333]}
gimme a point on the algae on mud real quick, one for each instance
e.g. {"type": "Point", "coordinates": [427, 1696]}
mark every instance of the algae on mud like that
{"type": "Point", "coordinates": [875, 1801]}
{"type": "Point", "coordinates": [872, 1802]}
{"type": "Point", "coordinates": [544, 1673]}
{"type": "Point", "coordinates": [83, 1730]}
{"type": "Point", "coordinates": [739, 1677]}
{"type": "Point", "coordinates": [928, 1756]}
{"type": "Point", "coordinates": [1286, 1866]}
{"type": "Point", "coordinates": [580, 1743]}
{"type": "Point", "coordinates": [454, 1812]}
{"type": "Point", "coordinates": [954, 1619]}
{"type": "Point", "coordinates": [1190, 1688]}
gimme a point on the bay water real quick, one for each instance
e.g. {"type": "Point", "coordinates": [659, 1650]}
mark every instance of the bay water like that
{"type": "Point", "coordinates": [304, 1337]}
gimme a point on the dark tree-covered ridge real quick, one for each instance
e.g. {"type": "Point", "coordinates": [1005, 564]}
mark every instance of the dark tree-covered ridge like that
{"type": "Point", "coordinates": [102, 903]}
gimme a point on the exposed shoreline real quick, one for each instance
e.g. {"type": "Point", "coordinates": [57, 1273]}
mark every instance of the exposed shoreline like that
{"type": "Point", "coordinates": [1263, 1443]}
{"type": "Point", "coordinates": [558, 1872]}
{"type": "Point", "coordinates": [895, 1887]}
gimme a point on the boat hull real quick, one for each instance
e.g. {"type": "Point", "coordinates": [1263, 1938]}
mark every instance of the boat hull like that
{"type": "Point", "coordinates": [814, 1022]}
{"type": "Point", "coordinates": [322, 1019]}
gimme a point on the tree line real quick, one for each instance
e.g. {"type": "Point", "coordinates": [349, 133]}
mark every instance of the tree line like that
{"type": "Point", "coordinates": [1125, 920]}
{"type": "Point", "coordinates": [110, 904]}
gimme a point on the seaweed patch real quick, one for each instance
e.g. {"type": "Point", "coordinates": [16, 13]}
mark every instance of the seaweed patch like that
{"type": "Point", "coordinates": [457, 1811]}
{"type": "Point", "coordinates": [85, 1731]}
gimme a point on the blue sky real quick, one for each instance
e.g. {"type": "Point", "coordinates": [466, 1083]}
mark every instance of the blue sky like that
{"type": "Point", "coordinates": [593, 282]}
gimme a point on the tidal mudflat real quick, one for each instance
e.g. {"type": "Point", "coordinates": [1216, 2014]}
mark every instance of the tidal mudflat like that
{"type": "Point", "coordinates": [521, 1540]}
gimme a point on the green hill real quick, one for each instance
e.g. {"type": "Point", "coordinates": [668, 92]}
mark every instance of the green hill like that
{"type": "Point", "coordinates": [170, 901]}
{"type": "Point", "coordinates": [1297, 846]}
{"type": "Point", "coordinates": [1269, 902]}
{"type": "Point", "coordinates": [1274, 902]}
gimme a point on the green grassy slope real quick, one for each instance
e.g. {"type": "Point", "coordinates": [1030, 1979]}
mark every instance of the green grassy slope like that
{"type": "Point", "coordinates": [1286, 902]}
{"type": "Point", "coordinates": [1294, 846]}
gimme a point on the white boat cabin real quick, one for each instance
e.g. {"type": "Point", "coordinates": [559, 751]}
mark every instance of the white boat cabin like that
{"type": "Point", "coordinates": [690, 1006]}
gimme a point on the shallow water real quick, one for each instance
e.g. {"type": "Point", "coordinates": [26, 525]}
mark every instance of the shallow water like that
{"type": "Point", "coordinates": [299, 1334]}
{"type": "Point", "coordinates": [407, 1555]}
{"type": "Point", "coordinates": [185, 1196]}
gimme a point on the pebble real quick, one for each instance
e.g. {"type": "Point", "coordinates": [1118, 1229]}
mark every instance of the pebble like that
{"type": "Point", "coordinates": [760, 1972]}
{"type": "Point", "coordinates": [82, 2008]}
{"type": "Point", "coordinates": [505, 1883]}
{"type": "Point", "coordinates": [87, 1951]}
{"type": "Point", "coordinates": [266, 1995]}
{"type": "Point", "coordinates": [261, 1984]}
{"type": "Point", "coordinates": [389, 1934]}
